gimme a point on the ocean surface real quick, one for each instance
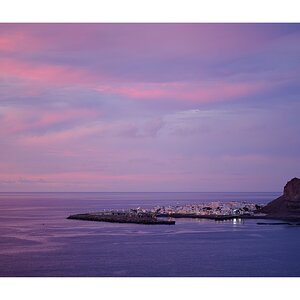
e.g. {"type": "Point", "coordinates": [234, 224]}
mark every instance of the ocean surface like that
{"type": "Point", "coordinates": [36, 239]}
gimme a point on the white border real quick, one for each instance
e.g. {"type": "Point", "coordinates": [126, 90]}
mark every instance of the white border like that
{"type": "Point", "coordinates": [149, 11]}
{"type": "Point", "coordinates": [149, 289]}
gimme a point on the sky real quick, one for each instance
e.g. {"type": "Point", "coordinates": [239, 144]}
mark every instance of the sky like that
{"type": "Point", "coordinates": [149, 107]}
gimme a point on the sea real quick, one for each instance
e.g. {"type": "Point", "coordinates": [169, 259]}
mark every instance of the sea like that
{"type": "Point", "coordinates": [36, 239]}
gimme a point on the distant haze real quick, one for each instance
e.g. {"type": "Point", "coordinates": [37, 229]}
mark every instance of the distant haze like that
{"type": "Point", "coordinates": [149, 107]}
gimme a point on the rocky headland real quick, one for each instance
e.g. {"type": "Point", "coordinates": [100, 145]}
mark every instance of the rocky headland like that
{"type": "Point", "coordinates": [287, 206]}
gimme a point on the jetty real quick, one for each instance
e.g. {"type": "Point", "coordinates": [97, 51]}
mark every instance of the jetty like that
{"type": "Point", "coordinates": [132, 216]}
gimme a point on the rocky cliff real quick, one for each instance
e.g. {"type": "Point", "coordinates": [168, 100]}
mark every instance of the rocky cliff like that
{"type": "Point", "coordinates": [287, 205]}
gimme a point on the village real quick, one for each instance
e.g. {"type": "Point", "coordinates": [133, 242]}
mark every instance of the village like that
{"type": "Point", "coordinates": [216, 208]}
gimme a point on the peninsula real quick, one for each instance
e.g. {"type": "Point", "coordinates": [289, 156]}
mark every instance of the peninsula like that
{"type": "Point", "coordinates": [286, 207]}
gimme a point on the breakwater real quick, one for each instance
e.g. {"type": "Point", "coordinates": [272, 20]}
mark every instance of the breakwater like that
{"type": "Point", "coordinates": [122, 217]}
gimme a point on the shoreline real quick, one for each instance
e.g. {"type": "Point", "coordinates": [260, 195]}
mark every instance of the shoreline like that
{"type": "Point", "coordinates": [231, 217]}
{"type": "Point", "coordinates": [148, 219]}
{"type": "Point", "coordinates": [121, 218]}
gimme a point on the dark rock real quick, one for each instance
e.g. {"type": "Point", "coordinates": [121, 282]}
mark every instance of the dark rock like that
{"type": "Point", "coordinates": [287, 205]}
{"type": "Point", "coordinates": [292, 190]}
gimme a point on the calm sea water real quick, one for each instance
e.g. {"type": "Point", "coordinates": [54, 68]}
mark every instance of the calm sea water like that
{"type": "Point", "coordinates": [36, 239]}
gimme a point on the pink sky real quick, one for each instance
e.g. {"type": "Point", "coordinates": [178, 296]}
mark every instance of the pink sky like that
{"type": "Point", "coordinates": [149, 107]}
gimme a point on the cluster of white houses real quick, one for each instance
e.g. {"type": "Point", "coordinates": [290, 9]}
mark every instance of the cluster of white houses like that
{"type": "Point", "coordinates": [212, 208]}
{"type": "Point", "coordinates": [216, 208]}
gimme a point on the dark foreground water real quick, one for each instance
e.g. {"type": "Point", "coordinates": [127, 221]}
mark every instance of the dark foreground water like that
{"type": "Point", "coordinates": [36, 239]}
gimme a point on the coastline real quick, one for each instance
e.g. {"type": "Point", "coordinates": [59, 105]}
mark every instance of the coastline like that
{"type": "Point", "coordinates": [230, 217]}
{"type": "Point", "coordinates": [121, 218]}
{"type": "Point", "coordinates": [148, 219]}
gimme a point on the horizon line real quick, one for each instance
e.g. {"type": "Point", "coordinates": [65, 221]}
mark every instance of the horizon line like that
{"type": "Point", "coordinates": [133, 192]}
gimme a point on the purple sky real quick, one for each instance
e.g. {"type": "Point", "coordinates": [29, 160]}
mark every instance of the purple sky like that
{"type": "Point", "coordinates": [149, 107]}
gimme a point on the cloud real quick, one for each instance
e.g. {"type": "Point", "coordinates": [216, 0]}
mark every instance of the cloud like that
{"type": "Point", "coordinates": [40, 121]}
{"type": "Point", "coordinates": [22, 180]}
{"type": "Point", "coordinates": [201, 92]}
{"type": "Point", "coordinates": [44, 73]}
{"type": "Point", "coordinates": [140, 129]}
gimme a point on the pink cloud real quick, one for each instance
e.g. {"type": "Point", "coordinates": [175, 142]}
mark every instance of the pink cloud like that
{"type": "Point", "coordinates": [55, 137]}
{"type": "Point", "coordinates": [47, 74]}
{"type": "Point", "coordinates": [17, 121]}
{"type": "Point", "coordinates": [196, 92]}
